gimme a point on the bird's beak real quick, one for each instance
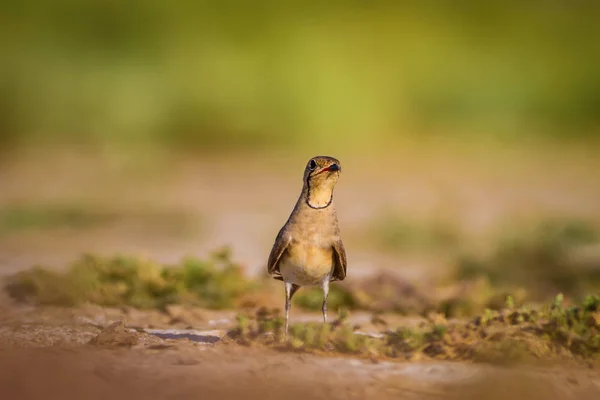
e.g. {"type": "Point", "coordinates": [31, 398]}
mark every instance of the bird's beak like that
{"type": "Point", "coordinates": [333, 168]}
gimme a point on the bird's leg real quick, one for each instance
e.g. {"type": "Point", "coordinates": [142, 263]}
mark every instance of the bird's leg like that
{"type": "Point", "coordinates": [325, 294]}
{"type": "Point", "coordinates": [288, 304]}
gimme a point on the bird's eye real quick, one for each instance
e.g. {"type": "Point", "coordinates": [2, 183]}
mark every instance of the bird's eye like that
{"type": "Point", "coordinates": [312, 165]}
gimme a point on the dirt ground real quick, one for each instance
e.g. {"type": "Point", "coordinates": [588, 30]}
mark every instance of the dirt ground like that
{"type": "Point", "coordinates": [67, 354]}
{"type": "Point", "coordinates": [45, 353]}
{"type": "Point", "coordinates": [189, 373]}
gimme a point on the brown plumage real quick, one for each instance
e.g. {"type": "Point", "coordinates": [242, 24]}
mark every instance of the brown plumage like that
{"type": "Point", "coordinates": [308, 249]}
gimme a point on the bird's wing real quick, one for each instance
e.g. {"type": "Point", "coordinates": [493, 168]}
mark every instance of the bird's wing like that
{"type": "Point", "coordinates": [281, 243]}
{"type": "Point", "coordinates": [339, 261]}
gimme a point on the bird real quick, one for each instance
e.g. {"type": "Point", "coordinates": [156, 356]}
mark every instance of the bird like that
{"type": "Point", "coordinates": [308, 250]}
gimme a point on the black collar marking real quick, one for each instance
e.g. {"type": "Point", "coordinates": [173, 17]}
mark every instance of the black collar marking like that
{"type": "Point", "coordinates": [308, 197]}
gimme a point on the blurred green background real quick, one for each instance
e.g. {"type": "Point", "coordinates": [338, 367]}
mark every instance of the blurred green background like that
{"type": "Point", "coordinates": [206, 75]}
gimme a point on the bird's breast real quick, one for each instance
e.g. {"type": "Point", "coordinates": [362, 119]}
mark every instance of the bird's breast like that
{"type": "Point", "coordinates": [306, 262]}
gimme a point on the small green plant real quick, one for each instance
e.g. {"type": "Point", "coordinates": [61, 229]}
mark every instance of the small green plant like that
{"type": "Point", "coordinates": [510, 303]}
{"type": "Point", "coordinates": [558, 301]}
{"type": "Point", "coordinates": [591, 303]}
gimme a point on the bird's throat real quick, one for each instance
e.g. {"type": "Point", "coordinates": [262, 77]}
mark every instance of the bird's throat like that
{"type": "Point", "coordinates": [320, 196]}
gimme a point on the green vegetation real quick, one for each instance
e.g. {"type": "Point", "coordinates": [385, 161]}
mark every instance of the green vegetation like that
{"type": "Point", "coordinates": [128, 281]}
{"type": "Point", "coordinates": [544, 260]}
{"type": "Point", "coordinates": [533, 262]}
{"type": "Point", "coordinates": [531, 266]}
{"type": "Point", "coordinates": [202, 74]}
{"type": "Point", "coordinates": [553, 332]}
{"type": "Point", "coordinates": [213, 283]}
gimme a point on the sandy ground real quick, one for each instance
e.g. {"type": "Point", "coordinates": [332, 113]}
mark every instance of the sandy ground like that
{"type": "Point", "coordinates": [192, 207]}
{"type": "Point", "coordinates": [212, 373]}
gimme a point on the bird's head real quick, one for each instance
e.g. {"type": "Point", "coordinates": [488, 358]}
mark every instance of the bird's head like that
{"type": "Point", "coordinates": [320, 176]}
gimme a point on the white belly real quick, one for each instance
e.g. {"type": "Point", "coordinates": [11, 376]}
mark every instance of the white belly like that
{"type": "Point", "coordinates": [306, 265]}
